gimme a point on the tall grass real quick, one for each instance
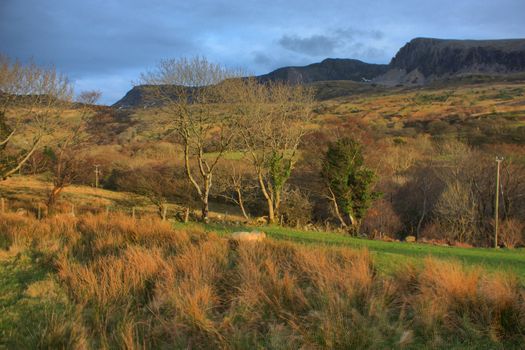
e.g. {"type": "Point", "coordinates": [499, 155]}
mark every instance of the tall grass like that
{"type": "Point", "coordinates": [141, 284]}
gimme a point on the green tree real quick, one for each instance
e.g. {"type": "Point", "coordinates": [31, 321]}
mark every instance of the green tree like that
{"type": "Point", "coordinates": [348, 182]}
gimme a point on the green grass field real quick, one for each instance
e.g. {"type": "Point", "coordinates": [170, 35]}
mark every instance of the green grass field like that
{"type": "Point", "coordinates": [390, 255]}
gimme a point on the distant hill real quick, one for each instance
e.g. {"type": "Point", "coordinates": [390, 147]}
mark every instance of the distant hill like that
{"type": "Point", "coordinates": [329, 69]}
{"type": "Point", "coordinates": [147, 96]}
{"type": "Point", "coordinates": [138, 96]}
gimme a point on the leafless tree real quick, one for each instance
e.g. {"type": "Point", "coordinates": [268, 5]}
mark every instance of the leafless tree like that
{"type": "Point", "coordinates": [157, 183]}
{"type": "Point", "coordinates": [65, 160]}
{"type": "Point", "coordinates": [30, 98]}
{"type": "Point", "coordinates": [193, 92]}
{"type": "Point", "coordinates": [65, 164]}
{"type": "Point", "coordinates": [89, 97]}
{"type": "Point", "coordinates": [235, 183]}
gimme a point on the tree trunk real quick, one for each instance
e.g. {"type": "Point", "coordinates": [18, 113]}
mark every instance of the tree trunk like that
{"type": "Point", "coordinates": [205, 212]}
{"type": "Point", "coordinates": [421, 218]}
{"type": "Point", "coordinates": [51, 201]}
{"type": "Point", "coordinates": [336, 208]}
{"type": "Point", "coordinates": [355, 224]}
{"type": "Point", "coordinates": [163, 210]}
{"type": "Point", "coordinates": [269, 199]}
{"type": "Point", "coordinates": [277, 202]}
{"type": "Point", "coordinates": [271, 212]}
{"type": "Point", "coordinates": [205, 199]}
{"type": "Point", "coordinates": [241, 203]}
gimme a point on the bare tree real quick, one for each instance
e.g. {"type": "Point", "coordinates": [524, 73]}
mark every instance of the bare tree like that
{"type": "Point", "coordinates": [30, 96]}
{"type": "Point", "coordinates": [65, 164]}
{"type": "Point", "coordinates": [236, 184]}
{"type": "Point", "coordinates": [274, 119]}
{"type": "Point", "coordinates": [65, 161]}
{"type": "Point", "coordinates": [157, 183]}
{"type": "Point", "coordinates": [89, 97]}
{"type": "Point", "coordinates": [193, 92]}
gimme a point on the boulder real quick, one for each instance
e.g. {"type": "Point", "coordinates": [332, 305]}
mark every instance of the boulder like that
{"type": "Point", "coordinates": [410, 239]}
{"type": "Point", "coordinates": [21, 212]}
{"type": "Point", "coordinates": [249, 236]}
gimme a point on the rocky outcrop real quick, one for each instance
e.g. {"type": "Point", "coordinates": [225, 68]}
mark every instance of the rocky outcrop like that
{"type": "Point", "coordinates": [424, 60]}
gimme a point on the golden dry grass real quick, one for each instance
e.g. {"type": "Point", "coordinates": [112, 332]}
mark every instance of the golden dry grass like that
{"type": "Point", "coordinates": [141, 284]}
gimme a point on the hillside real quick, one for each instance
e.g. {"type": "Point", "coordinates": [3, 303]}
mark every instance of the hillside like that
{"type": "Point", "coordinates": [329, 69]}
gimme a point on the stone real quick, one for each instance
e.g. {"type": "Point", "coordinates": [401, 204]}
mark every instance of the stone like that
{"type": "Point", "coordinates": [410, 239]}
{"type": "Point", "coordinates": [249, 236]}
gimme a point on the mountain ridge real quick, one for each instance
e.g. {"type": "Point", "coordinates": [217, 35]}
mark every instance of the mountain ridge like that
{"type": "Point", "coordinates": [419, 62]}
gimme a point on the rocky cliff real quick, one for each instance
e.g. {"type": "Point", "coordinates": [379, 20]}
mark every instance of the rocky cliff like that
{"type": "Point", "coordinates": [423, 60]}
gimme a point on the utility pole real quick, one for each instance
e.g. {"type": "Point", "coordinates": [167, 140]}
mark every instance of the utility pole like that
{"type": "Point", "coordinates": [97, 173]}
{"type": "Point", "coordinates": [496, 210]}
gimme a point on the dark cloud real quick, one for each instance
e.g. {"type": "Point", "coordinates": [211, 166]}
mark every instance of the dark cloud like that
{"type": "Point", "coordinates": [340, 42]}
{"type": "Point", "coordinates": [314, 45]}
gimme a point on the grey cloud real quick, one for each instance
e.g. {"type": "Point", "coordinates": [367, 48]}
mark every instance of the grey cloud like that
{"type": "Point", "coordinates": [356, 34]}
{"type": "Point", "coordinates": [260, 58]}
{"type": "Point", "coordinates": [342, 42]}
{"type": "Point", "coordinates": [314, 45]}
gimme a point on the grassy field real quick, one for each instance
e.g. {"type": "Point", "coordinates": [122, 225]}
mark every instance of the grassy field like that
{"type": "Point", "coordinates": [94, 282]}
{"type": "Point", "coordinates": [391, 255]}
{"type": "Point", "coordinates": [388, 255]}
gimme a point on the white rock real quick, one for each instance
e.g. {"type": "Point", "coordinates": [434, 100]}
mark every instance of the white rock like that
{"type": "Point", "coordinates": [249, 236]}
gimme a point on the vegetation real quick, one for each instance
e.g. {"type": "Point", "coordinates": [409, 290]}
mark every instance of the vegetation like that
{"type": "Point", "coordinates": [349, 183]}
{"type": "Point", "coordinates": [40, 92]}
{"type": "Point", "coordinates": [120, 282]}
{"type": "Point", "coordinates": [91, 258]}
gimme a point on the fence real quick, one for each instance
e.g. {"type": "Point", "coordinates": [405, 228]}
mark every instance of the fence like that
{"type": "Point", "coordinates": [40, 210]}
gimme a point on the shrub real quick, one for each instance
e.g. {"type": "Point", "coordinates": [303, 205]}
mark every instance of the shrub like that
{"type": "Point", "coordinates": [512, 233]}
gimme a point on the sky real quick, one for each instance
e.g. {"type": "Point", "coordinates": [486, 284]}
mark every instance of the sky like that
{"type": "Point", "coordinates": [105, 44]}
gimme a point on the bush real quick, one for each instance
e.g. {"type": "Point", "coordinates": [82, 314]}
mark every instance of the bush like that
{"type": "Point", "coordinates": [512, 233]}
{"type": "Point", "coordinates": [381, 220]}
{"type": "Point", "coordinates": [296, 208]}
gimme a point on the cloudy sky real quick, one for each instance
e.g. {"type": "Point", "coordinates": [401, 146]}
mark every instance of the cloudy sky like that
{"type": "Point", "coordinates": [105, 44]}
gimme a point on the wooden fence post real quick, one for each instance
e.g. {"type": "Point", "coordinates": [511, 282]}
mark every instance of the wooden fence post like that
{"type": "Point", "coordinates": [186, 215]}
{"type": "Point", "coordinates": [164, 212]}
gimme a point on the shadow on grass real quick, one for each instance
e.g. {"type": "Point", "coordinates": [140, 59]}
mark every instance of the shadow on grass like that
{"type": "Point", "coordinates": [28, 301]}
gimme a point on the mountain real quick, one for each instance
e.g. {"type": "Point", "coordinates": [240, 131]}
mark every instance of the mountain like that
{"type": "Point", "coordinates": [139, 95]}
{"type": "Point", "coordinates": [424, 60]}
{"type": "Point", "coordinates": [148, 96]}
{"type": "Point", "coordinates": [421, 61]}
{"type": "Point", "coordinates": [329, 69]}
